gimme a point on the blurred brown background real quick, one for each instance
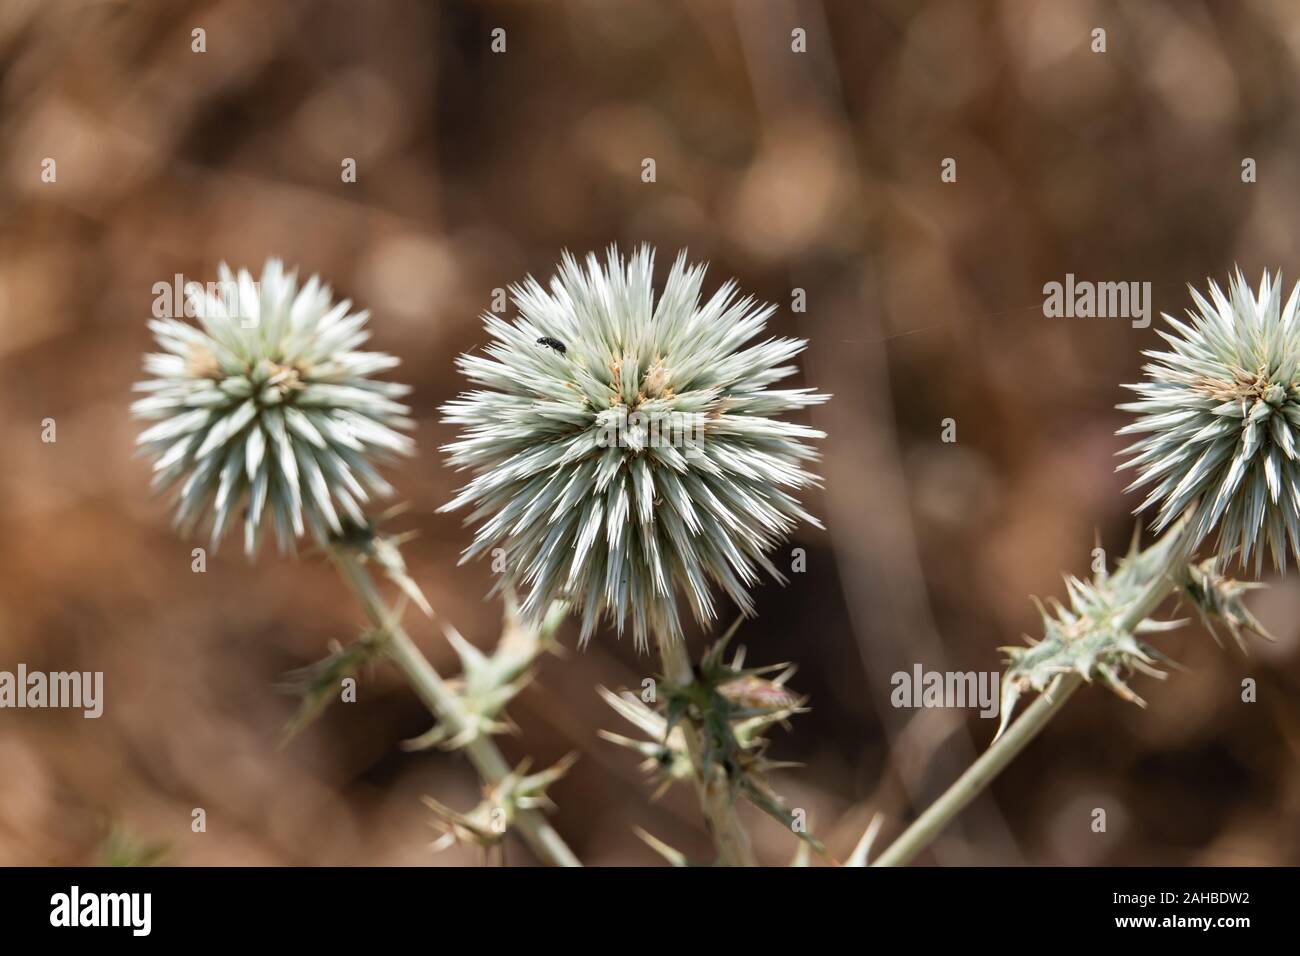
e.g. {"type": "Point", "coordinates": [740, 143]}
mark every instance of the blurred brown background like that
{"type": "Point", "coordinates": [817, 171]}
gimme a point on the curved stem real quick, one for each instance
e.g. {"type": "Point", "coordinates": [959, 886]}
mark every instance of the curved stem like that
{"type": "Point", "coordinates": [1172, 553]}
{"type": "Point", "coordinates": [445, 706]}
{"type": "Point", "coordinates": [716, 800]}
{"type": "Point", "coordinates": [982, 772]}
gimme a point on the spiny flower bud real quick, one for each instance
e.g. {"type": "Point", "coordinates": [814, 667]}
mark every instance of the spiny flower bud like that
{"type": "Point", "coordinates": [622, 446]}
{"type": "Point", "coordinates": [270, 402]}
{"type": "Point", "coordinates": [1219, 413]}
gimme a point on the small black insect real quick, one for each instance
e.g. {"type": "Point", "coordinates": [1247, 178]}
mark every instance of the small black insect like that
{"type": "Point", "coordinates": [552, 343]}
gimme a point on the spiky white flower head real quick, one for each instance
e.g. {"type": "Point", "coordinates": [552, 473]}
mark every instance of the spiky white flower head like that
{"type": "Point", "coordinates": [623, 447]}
{"type": "Point", "coordinates": [269, 402]}
{"type": "Point", "coordinates": [1220, 413]}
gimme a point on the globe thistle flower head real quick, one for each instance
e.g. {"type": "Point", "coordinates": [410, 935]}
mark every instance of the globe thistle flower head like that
{"type": "Point", "coordinates": [625, 446]}
{"type": "Point", "coordinates": [268, 401]}
{"type": "Point", "coordinates": [1220, 418]}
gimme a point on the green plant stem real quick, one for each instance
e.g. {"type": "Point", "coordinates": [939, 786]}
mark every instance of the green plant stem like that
{"type": "Point", "coordinates": [716, 800]}
{"type": "Point", "coordinates": [1175, 553]}
{"type": "Point", "coordinates": [445, 706]}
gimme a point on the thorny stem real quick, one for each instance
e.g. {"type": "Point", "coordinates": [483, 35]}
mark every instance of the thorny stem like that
{"type": "Point", "coordinates": [1175, 545]}
{"type": "Point", "coordinates": [711, 785]}
{"type": "Point", "coordinates": [445, 706]}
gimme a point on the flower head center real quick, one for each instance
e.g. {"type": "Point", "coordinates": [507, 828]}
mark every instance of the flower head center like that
{"type": "Point", "coordinates": [653, 384]}
{"type": "Point", "coordinates": [201, 363]}
{"type": "Point", "coordinates": [1246, 387]}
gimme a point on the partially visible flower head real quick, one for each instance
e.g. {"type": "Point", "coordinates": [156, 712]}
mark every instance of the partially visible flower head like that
{"type": "Point", "coordinates": [1220, 414]}
{"type": "Point", "coordinates": [269, 402]}
{"type": "Point", "coordinates": [623, 447]}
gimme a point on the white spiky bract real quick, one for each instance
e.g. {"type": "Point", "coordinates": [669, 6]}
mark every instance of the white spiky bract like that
{"type": "Point", "coordinates": [1220, 414]}
{"type": "Point", "coordinates": [616, 526]}
{"type": "Point", "coordinates": [269, 401]}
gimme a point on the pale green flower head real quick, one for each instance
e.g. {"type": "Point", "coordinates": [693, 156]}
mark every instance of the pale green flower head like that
{"type": "Point", "coordinates": [1219, 415]}
{"type": "Point", "coordinates": [269, 404]}
{"type": "Point", "coordinates": [625, 446]}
